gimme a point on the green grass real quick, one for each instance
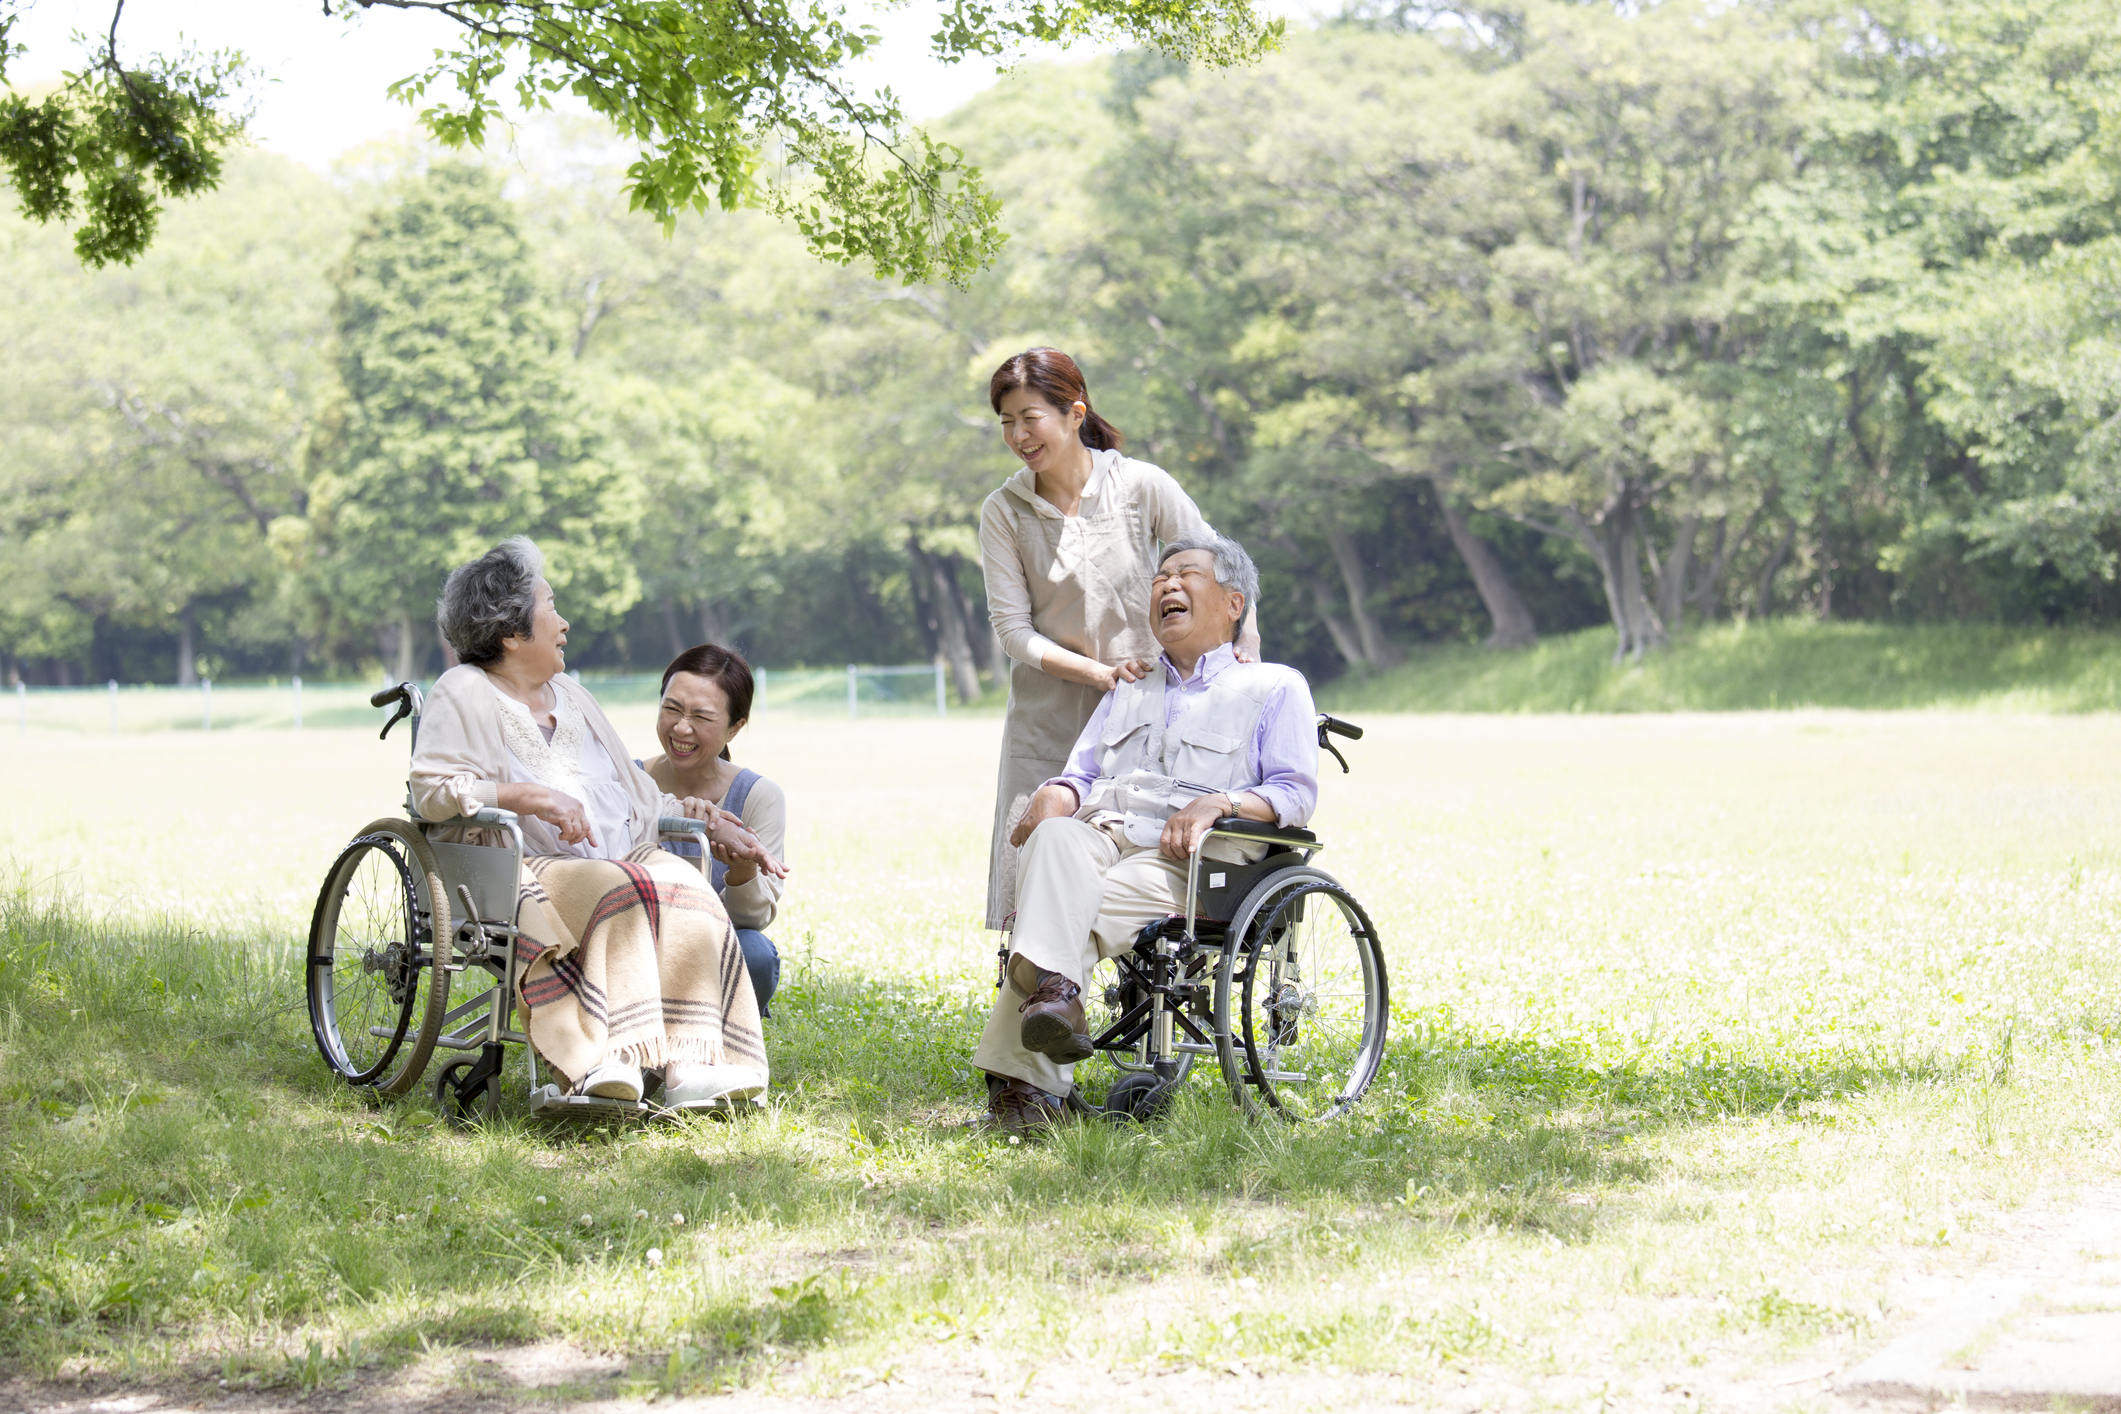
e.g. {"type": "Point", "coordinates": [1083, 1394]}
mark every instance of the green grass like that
{"type": "Point", "coordinates": [1774, 665]}
{"type": "Point", "coordinates": [1704, 1030]}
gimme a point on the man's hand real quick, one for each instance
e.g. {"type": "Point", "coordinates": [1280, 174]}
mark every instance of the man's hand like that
{"type": "Point", "coordinates": [1050, 803]}
{"type": "Point", "coordinates": [1182, 831]}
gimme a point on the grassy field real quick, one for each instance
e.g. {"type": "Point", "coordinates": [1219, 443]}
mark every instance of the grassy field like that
{"type": "Point", "coordinates": [1776, 665]}
{"type": "Point", "coordinates": [1715, 1039]}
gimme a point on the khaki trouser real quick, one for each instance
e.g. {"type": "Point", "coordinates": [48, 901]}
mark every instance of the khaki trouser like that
{"type": "Point", "coordinates": [1083, 893]}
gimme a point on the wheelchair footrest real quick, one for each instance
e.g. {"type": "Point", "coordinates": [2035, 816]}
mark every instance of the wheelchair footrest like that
{"type": "Point", "coordinates": [551, 1102]}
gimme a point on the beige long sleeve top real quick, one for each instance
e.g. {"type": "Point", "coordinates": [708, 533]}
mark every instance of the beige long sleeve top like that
{"type": "Point", "coordinates": [753, 903]}
{"type": "Point", "coordinates": [463, 760]}
{"type": "Point", "coordinates": [1078, 592]}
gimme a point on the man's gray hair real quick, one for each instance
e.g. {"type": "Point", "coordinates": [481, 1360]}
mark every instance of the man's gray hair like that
{"type": "Point", "coordinates": [1233, 567]}
{"type": "Point", "coordinates": [492, 598]}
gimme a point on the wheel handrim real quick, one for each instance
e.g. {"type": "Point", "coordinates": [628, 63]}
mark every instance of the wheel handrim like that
{"type": "Point", "coordinates": [370, 979]}
{"type": "Point", "coordinates": [1312, 1009]}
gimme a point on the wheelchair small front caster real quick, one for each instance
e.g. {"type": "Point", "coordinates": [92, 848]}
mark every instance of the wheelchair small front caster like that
{"type": "Point", "coordinates": [465, 1096]}
{"type": "Point", "coordinates": [1138, 1096]}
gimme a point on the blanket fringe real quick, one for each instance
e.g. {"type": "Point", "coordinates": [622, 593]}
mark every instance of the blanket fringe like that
{"type": "Point", "coordinates": [663, 1051]}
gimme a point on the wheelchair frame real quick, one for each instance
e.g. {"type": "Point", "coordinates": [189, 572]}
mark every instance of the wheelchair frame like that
{"type": "Point", "coordinates": [484, 880]}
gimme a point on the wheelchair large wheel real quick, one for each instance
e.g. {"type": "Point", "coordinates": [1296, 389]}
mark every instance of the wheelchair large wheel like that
{"type": "Point", "coordinates": [1300, 999]}
{"type": "Point", "coordinates": [378, 990]}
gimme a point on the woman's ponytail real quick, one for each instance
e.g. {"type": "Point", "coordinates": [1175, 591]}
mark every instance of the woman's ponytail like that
{"type": "Point", "coordinates": [1100, 435]}
{"type": "Point", "coordinates": [1057, 380]}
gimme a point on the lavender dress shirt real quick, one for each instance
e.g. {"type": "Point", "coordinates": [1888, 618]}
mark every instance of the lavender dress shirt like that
{"type": "Point", "coordinates": [1284, 753]}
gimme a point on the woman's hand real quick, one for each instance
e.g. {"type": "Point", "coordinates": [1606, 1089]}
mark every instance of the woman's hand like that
{"type": "Point", "coordinates": [1133, 670]}
{"type": "Point", "coordinates": [563, 812]}
{"type": "Point", "coordinates": [1247, 646]}
{"type": "Point", "coordinates": [730, 842]}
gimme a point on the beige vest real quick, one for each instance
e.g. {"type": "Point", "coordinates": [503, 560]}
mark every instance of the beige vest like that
{"type": "Point", "coordinates": [1147, 774]}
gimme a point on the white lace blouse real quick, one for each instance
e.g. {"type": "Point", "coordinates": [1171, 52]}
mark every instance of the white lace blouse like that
{"type": "Point", "coordinates": [574, 763]}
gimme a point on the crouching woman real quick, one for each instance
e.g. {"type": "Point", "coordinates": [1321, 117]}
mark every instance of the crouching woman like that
{"type": "Point", "coordinates": [626, 959]}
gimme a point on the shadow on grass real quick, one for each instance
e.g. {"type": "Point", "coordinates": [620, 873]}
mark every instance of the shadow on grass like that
{"type": "Point", "coordinates": [175, 1158]}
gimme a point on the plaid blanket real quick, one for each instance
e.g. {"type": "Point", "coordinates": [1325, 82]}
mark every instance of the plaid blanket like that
{"type": "Point", "coordinates": [631, 960]}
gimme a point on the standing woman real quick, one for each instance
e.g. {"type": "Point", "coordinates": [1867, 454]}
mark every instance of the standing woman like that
{"type": "Point", "coordinates": [1069, 545]}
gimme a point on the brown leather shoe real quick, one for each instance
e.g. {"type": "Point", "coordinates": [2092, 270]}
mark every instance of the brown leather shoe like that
{"type": "Point", "coordinates": [1054, 1024]}
{"type": "Point", "coordinates": [1019, 1107]}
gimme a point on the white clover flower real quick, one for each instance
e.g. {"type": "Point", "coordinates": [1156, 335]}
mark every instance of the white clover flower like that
{"type": "Point", "coordinates": [655, 1256]}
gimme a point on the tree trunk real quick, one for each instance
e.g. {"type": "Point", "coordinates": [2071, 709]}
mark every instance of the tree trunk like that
{"type": "Point", "coordinates": [713, 627]}
{"type": "Point", "coordinates": [954, 639]}
{"type": "Point", "coordinates": [954, 588]}
{"type": "Point", "coordinates": [1762, 596]}
{"type": "Point", "coordinates": [670, 626]}
{"type": "Point", "coordinates": [1615, 544]}
{"type": "Point", "coordinates": [187, 656]}
{"type": "Point", "coordinates": [1379, 652]}
{"type": "Point", "coordinates": [1703, 595]}
{"type": "Point", "coordinates": [408, 650]}
{"type": "Point", "coordinates": [1672, 576]}
{"type": "Point", "coordinates": [1508, 617]}
{"type": "Point", "coordinates": [924, 614]}
{"type": "Point", "coordinates": [1335, 629]}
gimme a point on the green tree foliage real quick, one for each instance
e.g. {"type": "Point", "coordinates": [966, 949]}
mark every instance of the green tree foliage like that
{"type": "Point", "coordinates": [156, 416]}
{"type": "Point", "coordinates": [729, 106]}
{"type": "Point", "coordinates": [114, 142]}
{"type": "Point", "coordinates": [1472, 326]}
{"type": "Point", "coordinates": [457, 425]}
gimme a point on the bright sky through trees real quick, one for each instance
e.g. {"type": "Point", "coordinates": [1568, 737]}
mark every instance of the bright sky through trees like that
{"type": "Point", "coordinates": [331, 74]}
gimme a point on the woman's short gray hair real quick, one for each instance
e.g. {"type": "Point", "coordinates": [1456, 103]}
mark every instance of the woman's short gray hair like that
{"type": "Point", "coordinates": [492, 598]}
{"type": "Point", "coordinates": [1233, 567]}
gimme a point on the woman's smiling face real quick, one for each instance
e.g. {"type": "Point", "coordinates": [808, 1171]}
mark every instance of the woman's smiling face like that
{"type": "Point", "coordinates": [694, 724]}
{"type": "Point", "coordinates": [1043, 436]}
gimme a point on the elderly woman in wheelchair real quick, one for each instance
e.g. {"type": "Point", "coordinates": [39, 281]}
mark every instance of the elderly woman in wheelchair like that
{"type": "Point", "coordinates": [1174, 846]}
{"type": "Point", "coordinates": [616, 954]}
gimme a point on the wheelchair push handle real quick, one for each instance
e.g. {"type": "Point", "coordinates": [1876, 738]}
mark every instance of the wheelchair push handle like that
{"type": "Point", "coordinates": [405, 695]}
{"type": "Point", "coordinates": [1330, 727]}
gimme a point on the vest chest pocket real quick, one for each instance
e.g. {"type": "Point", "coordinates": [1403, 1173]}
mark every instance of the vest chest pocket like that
{"type": "Point", "coordinates": [1120, 746]}
{"type": "Point", "coordinates": [1209, 757]}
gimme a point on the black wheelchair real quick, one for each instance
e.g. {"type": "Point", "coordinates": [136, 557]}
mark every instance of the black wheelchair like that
{"type": "Point", "coordinates": [1275, 970]}
{"type": "Point", "coordinates": [399, 917]}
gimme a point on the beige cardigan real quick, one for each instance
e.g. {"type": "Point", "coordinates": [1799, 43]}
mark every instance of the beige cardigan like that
{"type": "Point", "coordinates": [462, 761]}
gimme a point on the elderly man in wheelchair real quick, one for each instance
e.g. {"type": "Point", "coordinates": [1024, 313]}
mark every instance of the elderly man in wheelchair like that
{"type": "Point", "coordinates": [1204, 770]}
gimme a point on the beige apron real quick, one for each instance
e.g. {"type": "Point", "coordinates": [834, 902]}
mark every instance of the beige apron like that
{"type": "Point", "coordinates": [1089, 580]}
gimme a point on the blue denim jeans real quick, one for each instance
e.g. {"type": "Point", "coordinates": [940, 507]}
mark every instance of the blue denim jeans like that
{"type": "Point", "coordinates": [763, 961]}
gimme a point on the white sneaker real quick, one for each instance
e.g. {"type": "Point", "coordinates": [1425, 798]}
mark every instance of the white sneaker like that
{"type": "Point", "coordinates": [714, 1087]}
{"type": "Point", "coordinates": [613, 1081]}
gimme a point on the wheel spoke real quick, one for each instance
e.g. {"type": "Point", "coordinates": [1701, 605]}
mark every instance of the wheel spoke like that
{"type": "Point", "coordinates": [1313, 1017]}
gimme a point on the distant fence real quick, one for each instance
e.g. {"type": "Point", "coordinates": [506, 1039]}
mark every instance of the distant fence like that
{"type": "Point", "coordinates": [857, 690]}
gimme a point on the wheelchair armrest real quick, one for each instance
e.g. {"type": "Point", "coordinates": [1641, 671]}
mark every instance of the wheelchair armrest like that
{"type": "Point", "coordinates": [680, 825]}
{"type": "Point", "coordinates": [1263, 830]}
{"type": "Point", "coordinates": [494, 815]}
